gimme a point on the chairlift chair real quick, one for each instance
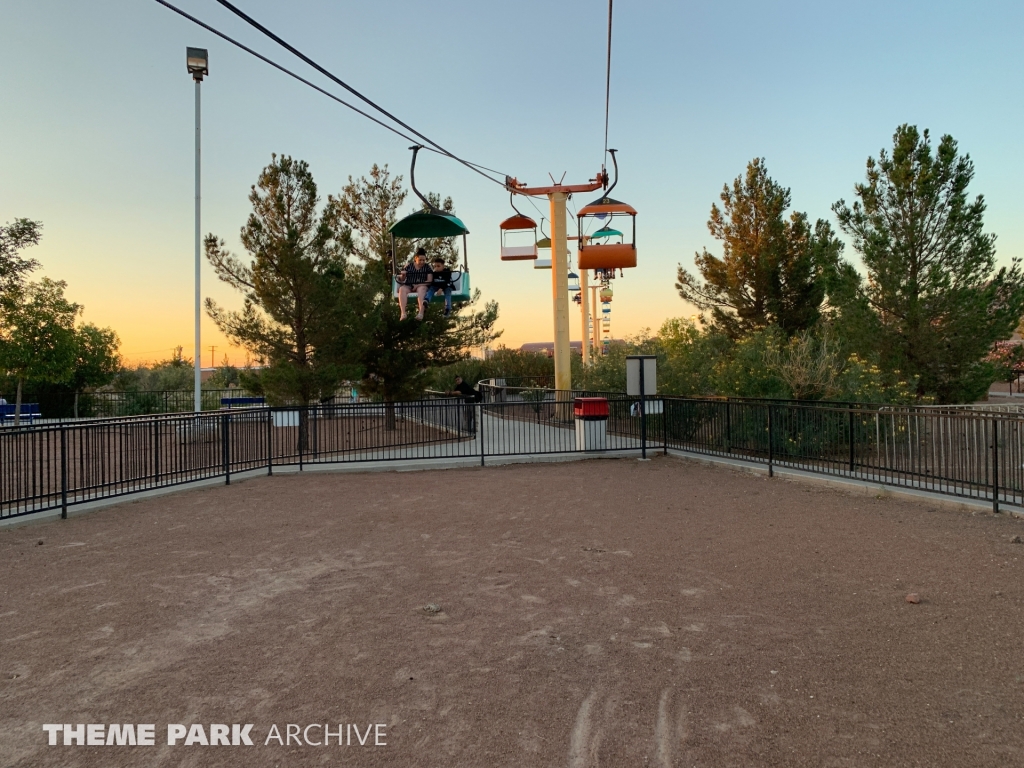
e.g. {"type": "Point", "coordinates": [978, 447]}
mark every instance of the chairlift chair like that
{"type": "Point", "coordinates": [606, 248]}
{"type": "Point", "coordinates": [428, 224]}
{"type": "Point", "coordinates": [518, 237]}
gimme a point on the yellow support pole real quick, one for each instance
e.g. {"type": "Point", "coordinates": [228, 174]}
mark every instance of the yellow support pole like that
{"type": "Point", "coordinates": [585, 306]}
{"type": "Point", "coordinates": [560, 291]}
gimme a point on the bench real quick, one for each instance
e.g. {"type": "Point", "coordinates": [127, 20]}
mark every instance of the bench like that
{"type": "Point", "coordinates": [29, 412]}
{"type": "Point", "coordinates": [242, 402]}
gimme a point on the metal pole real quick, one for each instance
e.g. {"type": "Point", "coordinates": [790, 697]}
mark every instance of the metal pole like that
{"type": "Point", "coordinates": [270, 442]}
{"type": "Point", "coordinates": [198, 397]}
{"type": "Point", "coordinates": [480, 428]}
{"type": "Point", "coordinates": [225, 431]}
{"type": "Point", "coordinates": [771, 445]}
{"type": "Point", "coordinates": [995, 466]}
{"type": "Point", "coordinates": [853, 449]}
{"type": "Point", "coordinates": [63, 474]}
{"type": "Point", "coordinates": [585, 306]}
{"type": "Point", "coordinates": [728, 426]}
{"type": "Point", "coordinates": [560, 294]}
{"type": "Point", "coordinates": [643, 415]}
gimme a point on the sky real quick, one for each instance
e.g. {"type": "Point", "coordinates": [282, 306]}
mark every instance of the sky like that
{"type": "Point", "coordinates": [97, 121]}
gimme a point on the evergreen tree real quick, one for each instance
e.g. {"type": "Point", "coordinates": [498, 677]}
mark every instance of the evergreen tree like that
{"type": "Point", "coordinates": [773, 270]}
{"type": "Point", "coordinates": [298, 263]}
{"type": "Point", "coordinates": [937, 302]}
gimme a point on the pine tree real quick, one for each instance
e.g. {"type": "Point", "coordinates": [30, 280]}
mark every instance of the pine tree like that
{"type": "Point", "coordinates": [773, 270]}
{"type": "Point", "coordinates": [938, 303]}
{"type": "Point", "coordinates": [297, 265]}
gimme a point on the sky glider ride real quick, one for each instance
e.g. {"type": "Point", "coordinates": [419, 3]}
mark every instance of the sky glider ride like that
{"type": "Point", "coordinates": [426, 225]}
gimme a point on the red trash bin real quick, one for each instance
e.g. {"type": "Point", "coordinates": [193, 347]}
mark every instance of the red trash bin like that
{"type": "Point", "coordinates": [591, 415]}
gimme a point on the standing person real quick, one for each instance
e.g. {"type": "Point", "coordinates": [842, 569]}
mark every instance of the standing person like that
{"type": "Point", "coordinates": [442, 281]}
{"type": "Point", "coordinates": [471, 396]}
{"type": "Point", "coordinates": [415, 277]}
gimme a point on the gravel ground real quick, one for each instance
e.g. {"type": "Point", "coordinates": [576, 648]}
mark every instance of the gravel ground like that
{"type": "Point", "coordinates": [610, 612]}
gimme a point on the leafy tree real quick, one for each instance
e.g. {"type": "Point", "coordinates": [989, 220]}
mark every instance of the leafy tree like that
{"type": "Point", "coordinates": [773, 270]}
{"type": "Point", "coordinates": [173, 373]}
{"type": "Point", "coordinates": [96, 357]}
{"type": "Point", "coordinates": [937, 302]}
{"type": "Point", "coordinates": [37, 339]}
{"type": "Point", "coordinates": [297, 265]}
{"type": "Point", "coordinates": [13, 238]}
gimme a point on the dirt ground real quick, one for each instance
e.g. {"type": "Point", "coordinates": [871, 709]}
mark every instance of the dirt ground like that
{"type": "Point", "coordinates": [609, 612]}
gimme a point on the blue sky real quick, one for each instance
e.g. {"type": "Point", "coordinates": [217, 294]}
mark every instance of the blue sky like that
{"type": "Point", "coordinates": [96, 134]}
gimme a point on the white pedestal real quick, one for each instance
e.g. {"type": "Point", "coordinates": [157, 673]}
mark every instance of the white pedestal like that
{"type": "Point", "coordinates": [591, 434]}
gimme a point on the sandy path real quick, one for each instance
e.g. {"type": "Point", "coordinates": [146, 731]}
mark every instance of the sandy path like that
{"type": "Point", "coordinates": [611, 613]}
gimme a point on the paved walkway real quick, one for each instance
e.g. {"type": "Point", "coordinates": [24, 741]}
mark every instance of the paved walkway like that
{"type": "Point", "coordinates": [503, 437]}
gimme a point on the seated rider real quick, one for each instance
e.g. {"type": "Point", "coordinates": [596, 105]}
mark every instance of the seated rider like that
{"type": "Point", "coordinates": [415, 277]}
{"type": "Point", "coordinates": [442, 282]}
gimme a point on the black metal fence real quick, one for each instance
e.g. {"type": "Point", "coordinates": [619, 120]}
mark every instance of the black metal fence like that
{"type": "Point", "coordinates": [970, 454]}
{"type": "Point", "coordinates": [974, 454]}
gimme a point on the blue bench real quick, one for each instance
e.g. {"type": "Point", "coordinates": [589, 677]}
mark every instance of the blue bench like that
{"type": "Point", "coordinates": [29, 412]}
{"type": "Point", "coordinates": [242, 402]}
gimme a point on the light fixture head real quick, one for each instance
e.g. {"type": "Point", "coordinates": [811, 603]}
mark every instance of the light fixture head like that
{"type": "Point", "coordinates": [198, 62]}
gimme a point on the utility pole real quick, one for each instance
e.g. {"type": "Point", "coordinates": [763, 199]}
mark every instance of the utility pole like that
{"type": "Point", "coordinates": [213, 349]}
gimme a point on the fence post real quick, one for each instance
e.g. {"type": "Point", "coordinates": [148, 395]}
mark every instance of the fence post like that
{"type": "Point", "coordinates": [155, 432]}
{"type": "Point", "coordinates": [270, 441]}
{"type": "Point", "coordinates": [225, 431]}
{"type": "Point", "coordinates": [643, 416]}
{"type": "Point", "coordinates": [728, 425]}
{"type": "Point", "coordinates": [63, 473]}
{"type": "Point", "coordinates": [853, 453]}
{"type": "Point", "coordinates": [301, 425]}
{"type": "Point", "coordinates": [664, 426]}
{"type": "Point", "coordinates": [771, 444]}
{"type": "Point", "coordinates": [480, 428]}
{"type": "Point", "coordinates": [995, 465]}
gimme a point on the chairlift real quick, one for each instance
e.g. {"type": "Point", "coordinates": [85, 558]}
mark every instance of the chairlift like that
{"type": "Point", "coordinates": [543, 250]}
{"type": "Point", "coordinates": [429, 224]}
{"type": "Point", "coordinates": [605, 294]}
{"type": "Point", "coordinates": [607, 254]}
{"type": "Point", "coordinates": [518, 236]}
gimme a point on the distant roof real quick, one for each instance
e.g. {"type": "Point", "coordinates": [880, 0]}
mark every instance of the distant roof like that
{"type": "Point", "coordinates": [547, 346]}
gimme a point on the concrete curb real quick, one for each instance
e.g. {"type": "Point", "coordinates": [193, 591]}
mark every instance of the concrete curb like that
{"type": "Point", "coordinates": [851, 485]}
{"type": "Point", "coordinates": [398, 465]}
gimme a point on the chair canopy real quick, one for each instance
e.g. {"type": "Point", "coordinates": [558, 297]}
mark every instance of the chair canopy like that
{"type": "Point", "coordinates": [423, 225]}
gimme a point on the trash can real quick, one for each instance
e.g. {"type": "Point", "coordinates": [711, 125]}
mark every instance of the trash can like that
{"type": "Point", "coordinates": [591, 416]}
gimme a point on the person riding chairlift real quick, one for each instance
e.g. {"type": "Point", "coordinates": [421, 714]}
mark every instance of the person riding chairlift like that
{"type": "Point", "coordinates": [415, 277]}
{"type": "Point", "coordinates": [442, 282]}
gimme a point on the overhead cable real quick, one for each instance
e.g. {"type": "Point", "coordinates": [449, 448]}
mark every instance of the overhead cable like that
{"type": "Point", "coordinates": [292, 49]}
{"type": "Point", "coordinates": [607, 83]}
{"type": "Point", "coordinates": [328, 94]}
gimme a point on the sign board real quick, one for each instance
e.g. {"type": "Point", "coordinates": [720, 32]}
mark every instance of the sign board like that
{"type": "Point", "coordinates": [650, 375]}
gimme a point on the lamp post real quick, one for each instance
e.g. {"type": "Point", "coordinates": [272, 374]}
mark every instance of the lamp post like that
{"type": "Point", "coordinates": [197, 60]}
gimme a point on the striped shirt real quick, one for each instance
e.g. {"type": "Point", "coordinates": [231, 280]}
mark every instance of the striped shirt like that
{"type": "Point", "coordinates": [417, 275]}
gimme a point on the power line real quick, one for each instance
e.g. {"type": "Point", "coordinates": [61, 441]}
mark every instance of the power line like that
{"type": "Point", "coordinates": [317, 88]}
{"type": "Point", "coordinates": [607, 83]}
{"type": "Point", "coordinates": [252, 22]}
